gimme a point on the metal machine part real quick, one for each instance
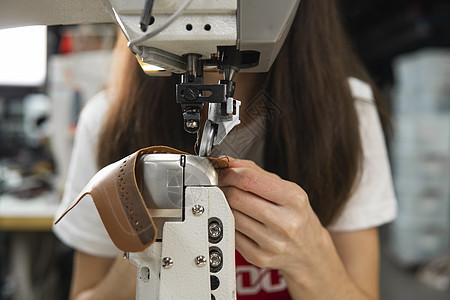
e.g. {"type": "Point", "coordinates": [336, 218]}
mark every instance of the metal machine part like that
{"type": "Point", "coordinates": [184, 36]}
{"type": "Point", "coordinates": [249, 25]}
{"type": "Point", "coordinates": [218, 125]}
{"type": "Point", "coordinates": [257, 28]}
{"type": "Point", "coordinates": [193, 257]}
{"type": "Point", "coordinates": [223, 110]}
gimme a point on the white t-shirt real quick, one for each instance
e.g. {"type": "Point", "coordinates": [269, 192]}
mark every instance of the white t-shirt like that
{"type": "Point", "coordinates": [373, 202]}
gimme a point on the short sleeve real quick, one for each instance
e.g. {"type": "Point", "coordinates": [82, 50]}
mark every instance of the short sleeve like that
{"type": "Point", "coordinates": [373, 200]}
{"type": "Point", "coordinates": [82, 228]}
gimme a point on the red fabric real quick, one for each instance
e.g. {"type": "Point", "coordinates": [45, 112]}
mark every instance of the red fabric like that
{"type": "Point", "coordinates": [66, 43]}
{"type": "Point", "coordinates": [256, 283]}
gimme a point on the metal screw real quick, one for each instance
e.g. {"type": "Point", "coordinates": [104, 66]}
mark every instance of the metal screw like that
{"type": "Point", "coordinates": [167, 262]}
{"type": "Point", "coordinates": [215, 259]}
{"type": "Point", "coordinates": [198, 210]}
{"type": "Point", "coordinates": [191, 124]}
{"type": "Point", "coordinates": [200, 260]}
{"type": "Point", "coordinates": [214, 230]}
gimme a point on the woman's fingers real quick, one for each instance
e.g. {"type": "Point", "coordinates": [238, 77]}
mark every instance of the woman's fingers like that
{"type": "Point", "coordinates": [267, 238]}
{"type": "Point", "coordinates": [270, 213]}
{"type": "Point", "coordinates": [248, 226]}
{"type": "Point", "coordinates": [264, 184]}
{"type": "Point", "coordinates": [247, 247]}
{"type": "Point", "coordinates": [250, 204]}
{"type": "Point", "coordinates": [244, 163]}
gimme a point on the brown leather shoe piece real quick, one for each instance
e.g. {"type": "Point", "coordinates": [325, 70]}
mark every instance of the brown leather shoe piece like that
{"type": "Point", "coordinates": [120, 204]}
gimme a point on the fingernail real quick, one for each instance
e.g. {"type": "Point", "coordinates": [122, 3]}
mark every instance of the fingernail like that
{"type": "Point", "coordinates": [228, 158]}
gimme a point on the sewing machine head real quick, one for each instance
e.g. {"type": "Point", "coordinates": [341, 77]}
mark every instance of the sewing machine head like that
{"type": "Point", "coordinates": [183, 37]}
{"type": "Point", "coordinates": [209, 29]}
{"type": "Point", "coordinates": [186, 36]}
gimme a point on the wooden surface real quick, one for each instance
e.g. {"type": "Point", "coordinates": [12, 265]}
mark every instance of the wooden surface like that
{"type": "Point", "coordinates": [26, 223]}
{"type": "Point", "coordinates": [34, 214]}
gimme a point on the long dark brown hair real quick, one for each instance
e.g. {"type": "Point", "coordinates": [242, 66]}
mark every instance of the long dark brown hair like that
{"type": "Point", "coordinates": [315, 142]}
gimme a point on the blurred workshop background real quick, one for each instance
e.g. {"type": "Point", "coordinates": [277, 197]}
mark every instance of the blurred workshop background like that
{"type": "Point", "coordinates": [405, 45]}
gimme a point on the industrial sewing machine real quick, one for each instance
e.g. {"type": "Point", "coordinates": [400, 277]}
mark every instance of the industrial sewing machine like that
{"type": "Point", "coordinates": [193, 256]}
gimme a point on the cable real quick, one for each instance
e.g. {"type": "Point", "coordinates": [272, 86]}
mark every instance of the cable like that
{"type": "Point", "coordinates": [179, 11]}
{"type": "Point", "coordinates": [146, 15]}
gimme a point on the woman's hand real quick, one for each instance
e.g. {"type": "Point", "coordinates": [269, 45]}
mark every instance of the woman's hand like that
{"type": "Point", "coordinates": [276, 228]}
{"type": "Point", "coordinates": [275, 224]}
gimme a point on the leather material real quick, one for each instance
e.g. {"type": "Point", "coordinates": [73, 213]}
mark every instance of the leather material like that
{"type": "Point", "coordinates": [120, 204]}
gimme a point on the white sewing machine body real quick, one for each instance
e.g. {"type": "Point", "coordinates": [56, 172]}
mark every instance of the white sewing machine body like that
{"type": "Point", "coordinates": [193, 257]}
{"type": "Point", "coordinates": [250, 25]}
